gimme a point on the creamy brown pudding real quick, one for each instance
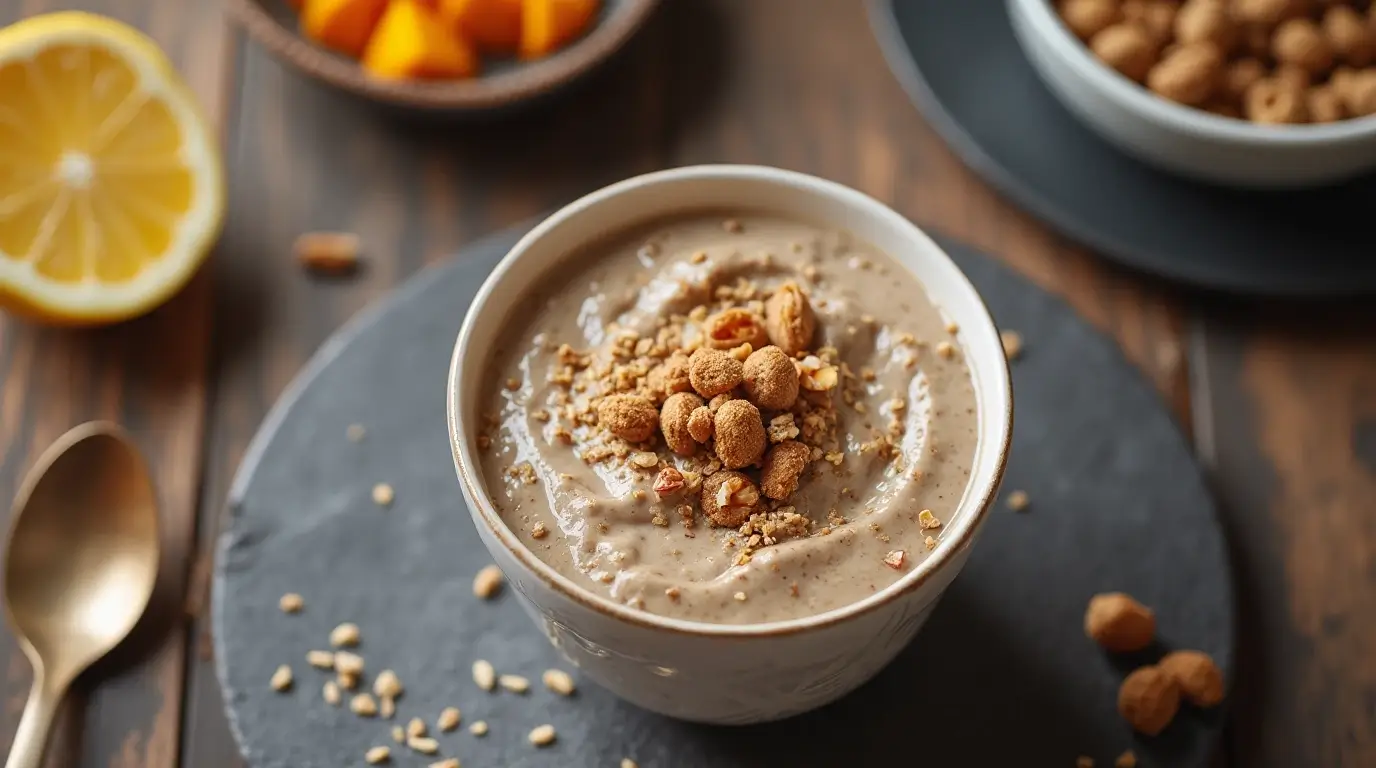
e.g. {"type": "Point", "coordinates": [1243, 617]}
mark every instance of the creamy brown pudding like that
{"type": "Point", "coordinates": [729, 419]}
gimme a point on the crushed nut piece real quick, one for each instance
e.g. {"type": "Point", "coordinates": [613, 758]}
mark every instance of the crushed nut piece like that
{"type": "Point", "coordinates": [927, 520]}
{"type": "Point", "coordinates": [698, 257]}
{"type": "Point", "coordinates": [330, 692]}
{"type": "Point", "coordinates": [423, 745]}
{"type": "Point", "coordinates": [542, 736]}
{"type": "Point", "coordinates": [538, 531]}
{"type": "Point", "coordinates": [484, 675]}
{"type": "Point", "coordinates": [558, 681]}
{"type": "Point", "coordinates": [328, 252]}
{"type": "Point", "coordinates": [346, 680]}
{"type": "Point", "coordinates": [789, 319]}
{"type": "Point", "coordinates": [514, 683]}
{"type": "Point", "coordinates": [291, 603]}
{"type": "Point", "coordinates": [320, 659]}
{"type": "Point", "coordinates": [448, 720]}
{"type": "Point", "coordinates": [672, 593]}
{"type": "Point", "coordinates": [930, 543]}
{"type": "Point", "coordinates": [895, 559]}
{"type": "Point", "coordinates": [350, 664]}
{"type": "Point", "coordinates": [815, 375]}
{"type": "Point", "coordinates": [1018, 501]}
{"type": "Point", "coordinates": [383, 495]}
{"type": "Point", "coordinates": [363, 705]}
{"type": "Point", "coordinates": [282, 679]}
{"type": "Point", "coordinates": [488, 582]}
{"type": "Point", "coordinates": [946, 350]}
{"type": "Point", "coordinates": [387, 684]}
{"type": "Point", "coordinates": [645, 459]}
{"type": "Point", "coordinates": [668, 481]}
{"type": "Point", "coordinates": [479, 728]}
{"type": "Point", "coordinates": [345, 635]}
{"type": "Point", "coordinates": [415, 728]}
{"type": "Point", "coordinates": [377, 755]}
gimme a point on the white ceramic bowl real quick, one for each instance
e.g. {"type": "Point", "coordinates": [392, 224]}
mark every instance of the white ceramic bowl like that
{"type": "Point", "coordinates": [714, 672]}
{"type": "Point", "coordinates": [1179, 139]}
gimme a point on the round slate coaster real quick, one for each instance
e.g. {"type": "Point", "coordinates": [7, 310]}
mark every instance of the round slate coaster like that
{"type": "Point", "coordinates": [1002, 675]}
{"type": "Point", "coordinates": [960, 62]}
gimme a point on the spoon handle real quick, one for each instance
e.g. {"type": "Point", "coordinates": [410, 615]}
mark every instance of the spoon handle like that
{"type": "Point", "coordinates": [32, 737]}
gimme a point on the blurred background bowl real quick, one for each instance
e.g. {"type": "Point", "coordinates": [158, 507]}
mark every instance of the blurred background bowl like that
{"type": "Point", "coordinates": [502, 83]}
{"type": "Point", "coordinates": [1180, 139]}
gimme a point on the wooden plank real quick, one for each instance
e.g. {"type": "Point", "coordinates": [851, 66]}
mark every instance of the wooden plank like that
{"type": "Point", "coordinates": [1288, 418]}
{"type": "Point", "coordinates": [793, 83]}
{"type": "Point", "coordinates": [148, 374]}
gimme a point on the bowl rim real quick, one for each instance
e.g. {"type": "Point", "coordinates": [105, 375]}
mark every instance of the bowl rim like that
{"type": "Point", "coordinates": [1178, 117]}
{"type": "Point", "coordinates": [976, 505]}
{"type": "Point", "coordinates": [526, 81]}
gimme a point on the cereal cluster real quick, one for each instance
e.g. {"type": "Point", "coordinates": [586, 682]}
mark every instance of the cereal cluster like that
{"type": "Point", "coordinates": [1267, 61]}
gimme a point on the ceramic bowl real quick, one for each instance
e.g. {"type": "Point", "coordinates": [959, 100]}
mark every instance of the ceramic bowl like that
{"type": "Point", "coordinates": [723, 673]}
{"type": "Point", "coordinates": [273, 24]}
{"type": "Point", "coordinates": [1180, 139]}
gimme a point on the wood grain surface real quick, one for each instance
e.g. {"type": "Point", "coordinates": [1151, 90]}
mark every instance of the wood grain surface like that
{"type": "Point", "coordinates": [1283, 403]}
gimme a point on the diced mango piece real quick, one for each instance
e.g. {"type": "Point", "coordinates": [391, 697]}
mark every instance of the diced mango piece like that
{"type": "Point", "coordinates": [548, 24]}
{"type": "Point", "coordinates": [493, 25]}
{"type": "Point", "coordinates": [344, 25]}
{"type": "Point", "coordinates": [412, 41]}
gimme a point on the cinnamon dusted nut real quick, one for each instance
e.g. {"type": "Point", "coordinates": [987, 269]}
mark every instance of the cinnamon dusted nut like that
{"type": "Point", "coordinates": [713, 372]}
{"type": "Point", "coordinates": [1291, 76]}
{"type": "Point", "coordinates": [1205, 21]}
{"type": "Point", "coordinates": [1266, 12]}
{"type": "Point", "coordinates": [1348, 35]}
{"type": "Point", "coordinates": [1196, 674]}
{"type": "Point", "coordinates": [1119, 623]}
{"type": "Point", "coordinates": [729, 498]}
{"type": "Point", "coordinates": [739, 433]}
{"type": "Point", "coordinates": [1127, 48]}
{"type": "Point", "coordinates": [630, 417]}
{"type": "Point", "coordinates": [668, 481]}
{"type": "Point", "coordinates": [1188, 75]}
{"type": "Point", "coordinates": [1148, 700]}
{"type": "Point", "coordinates": [700, 424]}
{"type": "Point", "coordinates": [1324, 104]}
{"type": "Point", "coordinates": [1155, 17]}
{"type": "Point", "coordinates": [673, 422]}
{"type": "Point", "coordinates": [670, 376]}
{"type": "Point", "coordinates": [783, 465]}
{"type": "Point", "coordinates": [771, 379]}
{"type": "Point", "coordinates": [1299, 42]}
{"type": "Point", "coordinates": [1086, 18]}
{"type": "Point", "coordinates": [1271, 102]}
{"type": "Point", "coordinates": [717, 402]}
{"type": "Point", "coordinates": [789, 319]}
{"type": "Point", "coordinates": [731, 328]}
{"type": "Point", "coordinates": [1238, 77]}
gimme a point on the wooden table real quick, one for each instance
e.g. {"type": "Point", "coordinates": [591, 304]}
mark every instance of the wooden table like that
{"type": "Point", "coordinates": [1280, 399]}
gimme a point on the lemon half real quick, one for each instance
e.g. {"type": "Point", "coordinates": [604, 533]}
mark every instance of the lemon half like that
{"type": "Point", "coordinates": [111, 185]}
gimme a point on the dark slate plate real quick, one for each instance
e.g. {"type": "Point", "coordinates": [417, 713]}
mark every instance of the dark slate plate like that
{"type": "Point", "coordinates": [960, 62]}
{"type": "Point", "coordinates": [1001, 676]}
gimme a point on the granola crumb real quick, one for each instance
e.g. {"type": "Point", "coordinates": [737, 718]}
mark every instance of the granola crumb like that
{"type": "Point", "coordinates": [363, 705]}
{"type": "Point", "coordinates": [514, 683]}
{"type": "Point", "coordinates": [484, 675]}
{"type": "Point", "coordinates": [1018, 501]}
{"type": "Point", "coordinates": [291, 603]}
{"type": "Point", "coordinates": [895, 559]}
{"type": "Point", "coordinates": [542, 736]}
{"type": "Point", "coordinates": [740, 597]}
{"type": "Point", "coordinates": [488, 582]}
{"type": "Point", "coordinates": [558, 681]}
{"type": "Point", "coordinates": [927, 520]}
{"type": "Point", "coordinates": [448, 720]}
{"type": "Point", "coordinates": [377, 755]}
{"type": "Point", "coordinates": [538, 531]}
{"type": "Point", "coordinates": [930, 543]}
{"type": "Point", "coordinates": [330, 693]}
{"type": "Point", "coordinates": [479, 728]}
{"type": "Point", "coordinates": [1012, 344]}
{"type": "Point", "coordinates": [383, 495]}
{"type": "Point", "coordinates": [345, 635]}
{"type": "Point", "coordinates": [282, 679]}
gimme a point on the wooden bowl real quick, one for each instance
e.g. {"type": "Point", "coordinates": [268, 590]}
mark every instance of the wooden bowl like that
{"type": "Point", "coordinates": [503, 83]}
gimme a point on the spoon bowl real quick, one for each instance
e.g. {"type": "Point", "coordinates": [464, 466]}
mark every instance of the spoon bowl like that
{"type": "Point", "coordinates": [81, 564]}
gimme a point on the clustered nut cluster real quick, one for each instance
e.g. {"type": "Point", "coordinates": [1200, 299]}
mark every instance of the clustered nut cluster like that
{"type": "Point", "coordinates": [1267, 61]}
{"type": "Point", "coordinates": [1150, 696]}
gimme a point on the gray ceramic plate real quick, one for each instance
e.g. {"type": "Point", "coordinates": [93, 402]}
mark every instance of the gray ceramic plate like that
{"type": "Point", "coordinates": [961, 65]}
{"type": "Point", "coordinates": [1002, 675]}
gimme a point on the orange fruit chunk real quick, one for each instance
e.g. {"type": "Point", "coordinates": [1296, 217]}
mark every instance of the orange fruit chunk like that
{"type": "Point", "coordinates": [344, 25]}
{"type": "Point", "coordinates": [411, 41]}
{"type": "Point", "coordinates": [548, 24]}
{"type": "Point", "coordinates": [493, 25]}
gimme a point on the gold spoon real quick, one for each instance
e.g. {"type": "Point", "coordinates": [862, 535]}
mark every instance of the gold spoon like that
{"type": "Point", "coordinates": [82, 561]}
